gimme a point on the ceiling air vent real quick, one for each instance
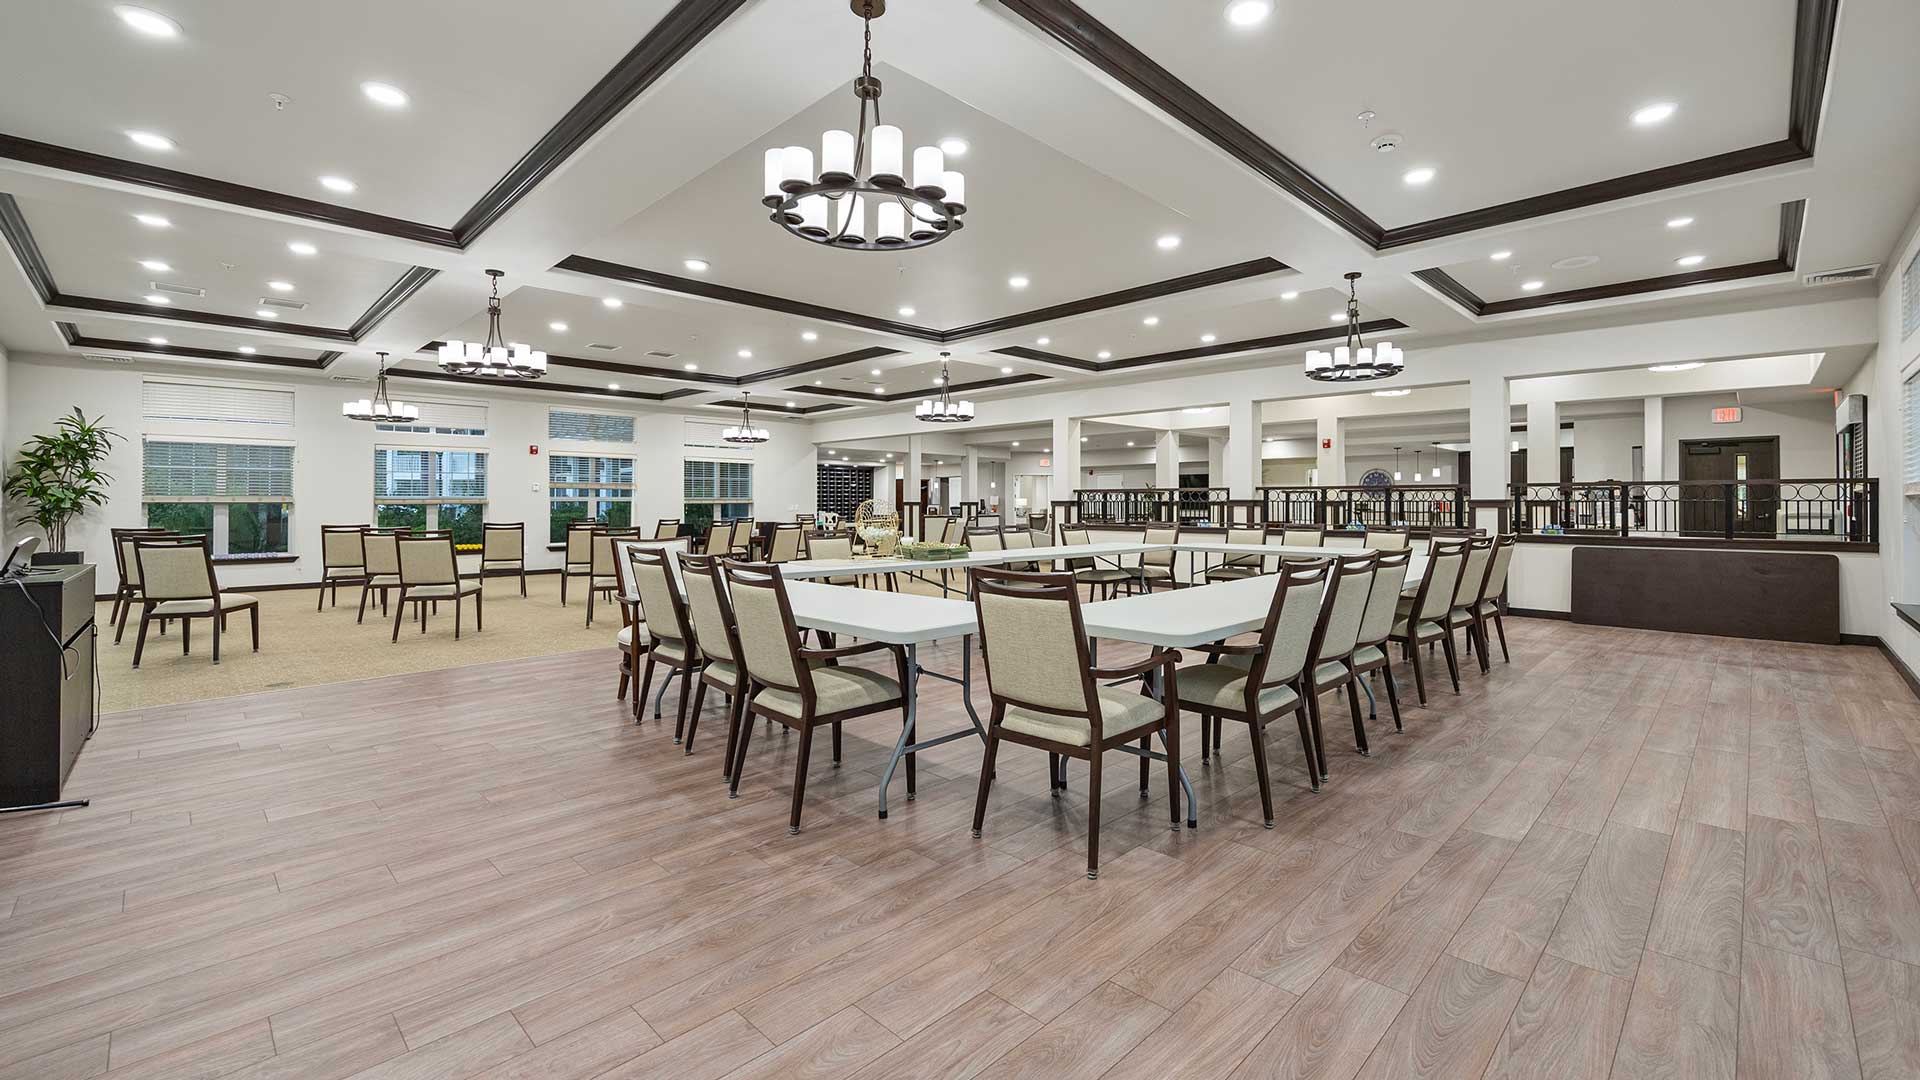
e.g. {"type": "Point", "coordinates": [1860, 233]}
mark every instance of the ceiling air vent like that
{"type": "Point", "coordinates": [347, 378]}
{"type": "Point", "coordinates": [105, 359]}
{"type": "Point", "coordinates": [176, 290]}
{"type": "Point", "coordinates": [1843, 275]}
{"type": "Point", "coordinates": [599, 347]}
{"type": "Point", "coordinates": [661, 354]}
{"type": "Point", "coordinates": [283, 305]}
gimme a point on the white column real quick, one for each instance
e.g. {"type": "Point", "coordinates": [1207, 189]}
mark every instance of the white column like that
{"type": "Point", "coordinates": [1066, 461]}
{"type": "Point", "coordinates": [1490, 421]}
{"type": "Point", "coordinates": [912, 473]}
{"type": "Point", "coordinates": [1331, 463]}
{"type": "Point", "coordinates": [1216, 461]}
{"type": "Point", "coordinates": [1166, 460]}
{"type": "Point", "coordinates": [972, 488]}
{"type": "Point", "coordinates": [1653, 441]}
{"type": "Point", "coordinates": [1543, 443]}
{"type": "Point", "coordinates": [1243, 449]}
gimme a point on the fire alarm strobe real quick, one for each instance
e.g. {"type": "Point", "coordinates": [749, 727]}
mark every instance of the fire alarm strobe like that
{"type": "Point", "coordinates": [532, 449]}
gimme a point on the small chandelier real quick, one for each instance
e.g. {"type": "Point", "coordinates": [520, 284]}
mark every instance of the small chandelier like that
{"type": "Point", "coordinates": [380, 409]}
{"type": "Point", "coordinates": [493, 358]}
{"type": "Point", "coordinates": [745, 432]}
{"type": "Point", "coordinates": [860, 197]}
{"type": "Point", "coordinates": [1354, 361]}
{"type": "Point", "coordinates": [944, 410]}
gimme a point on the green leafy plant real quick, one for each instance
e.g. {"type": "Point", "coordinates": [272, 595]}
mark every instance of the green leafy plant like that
{"type": "Point", "coordinates": [58, 475]}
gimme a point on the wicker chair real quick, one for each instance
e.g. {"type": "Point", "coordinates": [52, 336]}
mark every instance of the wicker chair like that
{"type": "Point", "coordinates": [503, 550]}
{"type": "Point", "coordinates": [430, 573]}
{"type": "Point", "coordinates": [177, 582]}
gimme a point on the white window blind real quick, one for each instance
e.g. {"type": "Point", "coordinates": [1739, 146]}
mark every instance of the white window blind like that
{"type": "Point", "coordinates": [1910, 419]}
{"type": "Point", "coordinates": [445, 418]}
{"type": "Point", "coordinates": [202, 472]}
{"type": "Point", "coordinates": [589, 427]}
{"type": "Point", "coordinates": [188, 402]}
{"type": "Point", "coordinates": [719, 481]}
{"type": "Point", "coordinates": [406, 475]}
{"type": "Point", "coordinates": [614, 474]}
{"type": "Point", "coordinates": [1910, 297]}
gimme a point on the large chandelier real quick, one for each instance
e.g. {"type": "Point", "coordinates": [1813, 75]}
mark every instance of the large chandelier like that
{"type": "Point", "coordinates": [943, 409]}
{"type": "Point", "coordinates": [493, 358]}
{"type": "Point", "coordinates": [1354, 361]}
{"type": "Point", "coordinates": [745, 432]}
{"type": "Point", "coordinates": [860, 197]}
{"type": "Point", "coordinates": [380, 409]}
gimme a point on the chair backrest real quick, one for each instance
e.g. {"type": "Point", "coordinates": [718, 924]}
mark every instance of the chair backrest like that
{"type": "Point", "coordinates": [719, 538]}
{"type": "Point", "coordinates": [383, 553]}
{"type": "Point", "coordinates": [1298, 536]}
{"type": "Point", "coordinates": [1034, 644]}
{"type": "Point", "coordinates": [1074, 536]}
{"type": "Point", "coordinates": [742, 534]}
{"type": "Point", "coordinates": [427, 560]}
{"type": "Point", "coordinates": [830, 547]}
{"type": "Point", "coordinates": [1287, 635]}
{"type": "Point", "coordinates": [503, 541]}
{"type": "Point", "coordinates": [340, 546]}
{"type": "Point", "coordinates": [1246, 534]}
{"type": "Point", "coordinates": [786, 544]}
{"type": "Point", "coordinates": [1435, 598]}
{"type": "Point", "coordinates": [175, 567]}
{"type": "Point", "coordinates": [1390, 537]}
{"type": "Point", "coordinates": [1389, 577]}
{"type": "Point", "coordinates": [1502, 562]}
{"type": "Point", "coordinates": [666, 528]}
{"type": "Point", "coordinates": [606, 555]}
{"type": "Point", "coordinates": [1018, 538]}
{"type": "Point", "coordinates": [985, 540]}
{"type": "Point", "coordinates": [709, 608]}
{"type": "Point", "coordinates": [580, 541]}
{"type": "Point", "coordinates": [1344, 538]}
{"type": "Point", "coordinates": [769, 642]}
{"type": "Point", "coordinates": [123, 560]}
{"type": "Point", "coordinates": [1352, 586]}
{"type": "Point", "coordinates": [660, 602]}
{"type": "Point", "coordinates": [933, 527]}
{"type": "Point", "coordinates": [956, 528]}
{"type": "Point", "coordinates": [1473, 574]}
{"type": "Point", "coordinates": [1448, 532]}
{"type": "Point", "coordinates": [1161, 556]}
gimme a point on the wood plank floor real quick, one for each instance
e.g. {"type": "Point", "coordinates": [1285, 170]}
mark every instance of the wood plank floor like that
{"type": "Point", "coordinates": [1624, 854]}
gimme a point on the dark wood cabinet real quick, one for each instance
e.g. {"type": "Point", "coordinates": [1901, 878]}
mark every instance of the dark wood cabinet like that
{"type": "Point", "coordinates": [47, 666]}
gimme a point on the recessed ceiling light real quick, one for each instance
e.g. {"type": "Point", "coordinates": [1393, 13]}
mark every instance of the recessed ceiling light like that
{"type": "Point", "coordinates": [152, 220]}
{"type": "Point", "coordinates": [939, 379]}
{"type": "Point", "coordinates": [301, 247]}
{"type": "Point", "coordinates": [1249, 12]}
{"type": "Point", "coordinates": [150, 23]}
{"type": "Point", "coordinates": [875, 373]}
{"type": "Point", "coordinates": [1151, 320]}
{"type": "Point", "coordinates": [1392, 393]}
{"type": "Point", "coordinates": [1043, 341]}
{"type": "Point", "coordinates": [1104, 354]}
{"type": "Point", "coordinates": [1017, 281]}
{"type": "Point", "coordinates": [1501, 256]}
{"type": "Point", "coordinates": [1290, 295]}
{"type": "Point", "coordinates": [1690, 260]}
{"type": "Point", "coordinates": [156, 341]}
{"type": "Point", "coordinates": [792, 404]}
{"type": "Point", "coordinates": [745, 354]}
{"type": "Point", "coordinates": [1338, 316]}
{"type": "Point", "coordinates": [613, 386]}
{"type": "Point", "coordinates": [906, 313]}
{"type": "Point", "coordinates": [266, 313]}
{"type": "Point", "coordinates": [557, 327]}
{"type": "Point", "coordinates": [1653, 114]}
{"type": "Point", "coordinates": [1531, 286]}
{"type": "Point", "coordinates": [809, 335]}
{"type": "Point", "coordinates": [953, 146]}
{"type": "Point", "coordinates": [879, 389]}
{"type": "Point", "coordinates": [691, 367]}
{"type": "Point", "coordinates": [1168, 242]}
{"type": "Point", "coordinates": [1129, 442]}
{"type": "Point", "coordinates": [1664, 368]}
{"type": "Point", "coordinates": [384, 94]}
{"type": "Point", "coordinates": [612, 302]}
{"type": "Point", "coordinates": [1418, 176]}
{"type": "Point", "coordinates": [337, 183]}
{"type": "Point", "coordinates": [155, 265]}
{"type": "Point", "coordinates": [1574, 262]}
{"type": "Point", "coordinates": [1208, 339]}
{"type": "Point", "coordinates": [1083, 438]}
{"type": "Point", "coordinates": [280, 286]}
{"type": "Point", "coordinates": [1679, 222]}
{"type": "Point", "coordinates": [698, 266]}
{"type": "Point", "coordinates": [819, 382]}
{"type": "Point", "coordinates": [150, 141]}
{"type": "Point", "coordinates": [248, 349]}
{"type": "Point", "coordinates": [1007, 371]}
{"type": "Point", "coordinates": [156, 298]}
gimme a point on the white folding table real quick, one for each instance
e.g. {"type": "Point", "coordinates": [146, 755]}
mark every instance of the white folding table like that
{"type": "Point", "coordinates": [817, 568]}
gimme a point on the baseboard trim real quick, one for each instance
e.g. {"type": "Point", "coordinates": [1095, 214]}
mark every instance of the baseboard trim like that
{"type": "Point", "coordinates": [1537, 613]}
{"type": "Point", "coordinates": [1899, 665]}
{"type": "Point", "coordinates": [104, 598]}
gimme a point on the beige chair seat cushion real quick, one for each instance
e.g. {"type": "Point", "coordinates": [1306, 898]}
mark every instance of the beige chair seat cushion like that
{"type": "Point", "coordinates": [1429, 631]}
{"type": "Point", "coordinates": [384, 581]}
{"type": "Point", "coordinates": [606, 581]}
{"type": "Point", "coordinates": [668, 649]}
{"type": "Point", "coordinates": [625, 637]}
{"type": "Point", "coordinates": [1120, 712]}
{"type": "Point", "coordinates": [490, 564]}
{"type": "Point", "coordinates": [835, 689]}
{"type": "Point", "coordinates": [1224, 572]}
{"type": "Point", "coordinates": [442, 592]}
{"type": "Point", "coordinates": [1368, 654]}
{"type": "Point", "coordinates": [1224, 686]}
{"type": "Point", "coordinates": [1489, 607]}
{"type": "Point", "coordinates": [1103, 574]}
{"type": "Point", "coordinates": [1460, 616]}
{"type": "Point", "coordinates": [578, 567]}
{"type": "Point", "coordinates": [343, 571]}
{"type": "Point", "coordinates": [1329, 673]}
{"type": "Point", "coordinates": [1156, 573]}
{"type": "Point", "coordinates": [228, 602]}
{"type": "Point", "coordinates": [722, 672]}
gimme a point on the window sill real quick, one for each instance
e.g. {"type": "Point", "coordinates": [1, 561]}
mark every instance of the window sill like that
{"type": "Point", "coordinates": [252, 560]}
{"type": "Point", "coordinates": [1909, 614]}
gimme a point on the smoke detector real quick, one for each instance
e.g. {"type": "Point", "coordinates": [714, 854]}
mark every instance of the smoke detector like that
{"type": "Point", "coordinates": [1388, 143]}
{"type": "Point", "coordinates": [1576, 262]}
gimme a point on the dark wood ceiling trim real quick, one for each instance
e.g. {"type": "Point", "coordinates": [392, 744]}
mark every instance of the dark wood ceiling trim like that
{"type": "Point", "coordinates": [778, 410]}
{"type": "Point", "coordinates": [710, 378]}
{"type": "Point", "coordinates": [905, 395]}
{"type": "Point", "coordinates": [76, 339]}
{"type": "Point", "coordinates": [1100, 46]}
{"type": "Point", "coordinates": [670, 40]}
{"type": "Point", "coordinates": [19, 238]}
{"type": "Point", "coordinates": [1201, 352]}
{"type": "Point", "coordinates": [653, 279]}
{"type": "Point", "coordinates": [540, 384]}
{"type": "Point", "coordinates": [1044, 357]}
{"type": "Point", "coordinates": [1793, 217]}
{"type": "Point", "coordinates": [198, 318]}
{"type": "Point", "coordinates": [396, 294]}
{"type": "Point", "coordinates": [807, 367]}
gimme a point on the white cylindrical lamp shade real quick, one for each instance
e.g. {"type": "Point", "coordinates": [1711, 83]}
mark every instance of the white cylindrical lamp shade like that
{"type": "Point", "coordinates": [855, 209]}
{"type": "Point", "coordinates": [813, 215]}
{"type": "Point", "coordinates": [956, 190]}
{"type": "Point", "coordinates": [889, 150]}
{"type": "Point", "coordinates": [774, 170]}
{"type": "Point", "coordinates": [1341, 357]}
{"type": "Point", "coordinates": [929, 171]}
{"type": "Point", "coordinates": [918, 221]}
{"type": "Point", "coordinates": [890, 220]}
{"type": "Point", "coordinates": [836, 156]}
{"type": "Point", "coordinates": [796, 168]}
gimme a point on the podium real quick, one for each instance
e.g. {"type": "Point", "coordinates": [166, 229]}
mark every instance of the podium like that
{"type": "Point", "coordinates": [47, 667]}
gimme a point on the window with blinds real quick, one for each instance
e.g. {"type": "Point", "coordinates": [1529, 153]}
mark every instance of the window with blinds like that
{"type": "Point", "coordinates": [1910, 417]}
{"type": "Point", "coordinates": [165, 402]}
{"type": "Point", "coordinates": [402, 474]}
{"type": "Point", "coordinates": [589, 427]}
{"type": "Point", "coordinates": [444, 418]}
{"type": "Point", "coordinates": [1910, 297]}
{"type": "Point", "coordinates": [216, 472]}
{"type": "Point", "coordinates": [716, 490]}
{"type": "Point", "coordinates": [582, 488]}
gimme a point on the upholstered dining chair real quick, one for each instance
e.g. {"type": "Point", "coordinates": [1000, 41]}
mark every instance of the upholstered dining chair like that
{"type": "Point", "coordinates": [1048, 695]}
{"type": "Point", "coordinates": [742, 543]}
{"type": "Point", "coordinates": [1492, 605]}
{"type": "Point", "coordinates": [1348, 590]}
{"type": "Point", "coordinates": [177, 582]}
{"type": "Point", "coordinates": [666, 528]}
{"type": "Point", "coordinates": [1157, 565]}
{"type": "Point", "coordinates": [1422, 617]}
{"type": "Point", "coordinates": [1015, 539]}
{"type": "Point", "coordinates": [803, 689]}
{"type": "Point", "coordinates": [577, 561]}
{"type": "Point", "coordinates": [603, 567]}
{"type": "Point", "coordinates": [1467, 595]}
{"type": "Point", "coordinates": [382, 548]}
{"type": "Point", "coordinates": [830, 547]}
{"type": "Point", "coordinates": [430, 573]}
{"type": "Point", "coordinates": [1390, 537]}
{"type": "Point", "coordinates": [341, 560]}
{"type": "Point", "coordinates": [1097, 578]}
{"type": "Point", "coordinates": [955, 530]}
{"type": "Point", "coordinates": [503, 550]}
{"type": "Point", "coordinates": [674, 645]}
{"type": "Point", "coordinates": [632, 639]}
{"type": "Point", "coordinates": [717, 639]}
{"type": "Point", "coordinates": [1370, 646]}
{"type": "Point", "coordinates": [1297, 535]}
{"type": "Point", "coordinates": [1260, 681]}
{"type": "Point", "coordinates": [719, 539]}
{"type": "Point", "coordinates": [934, 526]}
{"type": "Point", "coordinates": [785, 545]}
{"type": "Point", "coordinates": [1450, 532]}
{"type": "Point", "coordinates": [1234, 567]}
{"type": "Point", "coordinates": [1344, 539]}
{"type": "Point", "coordinates": [128, 590]}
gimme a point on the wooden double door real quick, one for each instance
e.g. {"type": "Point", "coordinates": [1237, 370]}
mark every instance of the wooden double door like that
{"type": "Point", "coordinates": [1718, 479]}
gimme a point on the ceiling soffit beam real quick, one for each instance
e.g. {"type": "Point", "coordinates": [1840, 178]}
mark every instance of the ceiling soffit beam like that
{"type": "Point", "coordinates": [1201, 352]}
{"type": "Point", "coordinates": [670, 40]}
{"type": "Point", "coordinates": [904, 395]}
{"type": "Point", "coordinates": [1792, 221]}
{"type": "Point", "coordinates": [654, 279]}
{"type": "Point", "coordinates": [541, 385]}
{"type": "Point", "coordinates": [857, 356]}
{"type": "Point", "coordinates": [75, 339]}
{"type": "Point", "coordinates": [1098, 45]}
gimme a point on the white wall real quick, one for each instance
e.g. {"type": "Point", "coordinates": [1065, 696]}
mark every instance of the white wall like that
{"type": "Point", "coordinates": [1894, 362]}
{"type": "Point", "coordinates": [1359, 464]}
{"type": "Point", "coordinates": [1603, 449]}
{"type": "Point", "coordinates": [333, 456]}
{"type": "Point", "coordinates": [1804, 427]}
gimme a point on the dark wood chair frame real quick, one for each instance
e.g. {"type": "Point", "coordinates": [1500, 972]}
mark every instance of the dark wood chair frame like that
{"type": "Point", "coordinates": [615, 537]}
{"type": "Point", "coordinates": [567, 573]}
{"type": "Point", "coordinates": [125, 592]}
{"type": "Point", "coordinates": [421, 603]}
{"type": "Point", "coordinates": [327, 575]}
{"type": "Point", "coordinates": [713, 569]}
{"type": "Point", "coordinates": [660, 529]}
{"type": "Point", "coordinates": [217, 615]}
{"type": "Point", "coordinates": [1409, 644]}
{"type": "Point", "coordinates": [1476, 631]}
{"type": "Point", "coordinates": [1405, 532]}
{"type": "Point", "coordinates": [1350, 572]}
{"type": "Point", "coordinates": [368, 586]}
{"type": "Point", "coordinates": [680, 625]}
{"type": "Point", "coordinates": [487, 528]}
{"type": "Point", "coordinates": [1384, 559]}
{"type": "Point", "coordinates": [1098, 579]}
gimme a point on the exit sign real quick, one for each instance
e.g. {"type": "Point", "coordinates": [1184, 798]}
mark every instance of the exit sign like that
{"type": "Point", "coordinates": [1728, 415]}
{"type": "Point", "coordinates": [1046, 463]}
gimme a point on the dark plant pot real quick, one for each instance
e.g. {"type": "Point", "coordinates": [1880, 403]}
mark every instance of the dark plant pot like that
{"type": "Point", "coordinates": [58, 558]}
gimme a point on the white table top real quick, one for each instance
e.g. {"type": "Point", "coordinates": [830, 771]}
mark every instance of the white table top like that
{"type": "Point", "coordinates": [1181, 618]}
{"type": "Point", "coordinates": [816, 568]}
{"type": "Point", "coordinates": [895, 618]}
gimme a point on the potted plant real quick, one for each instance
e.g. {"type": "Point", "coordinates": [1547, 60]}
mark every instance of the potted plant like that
{"type": "Point", "coordinates": [58, 475]}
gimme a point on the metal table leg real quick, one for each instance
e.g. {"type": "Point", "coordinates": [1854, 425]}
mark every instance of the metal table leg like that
{"type": "Point", "coordinates": [906, 743]}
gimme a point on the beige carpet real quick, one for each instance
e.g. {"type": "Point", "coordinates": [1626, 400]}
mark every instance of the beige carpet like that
{"type": "Point", "coordinates": [301, 647]}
